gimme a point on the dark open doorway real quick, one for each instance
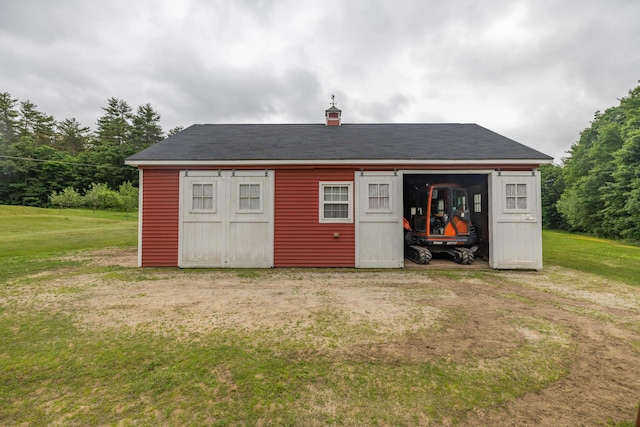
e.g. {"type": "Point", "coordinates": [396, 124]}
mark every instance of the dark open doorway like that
{"type": "Point", "coordinates": [477, 191]}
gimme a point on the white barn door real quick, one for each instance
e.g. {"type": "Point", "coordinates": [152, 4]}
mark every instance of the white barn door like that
{"type": "Point", "coordinates": [226, 219]}
{"type": "Point", "coordinates": [379, 232]}
{"type": "Point", "coordinates": [251, 219]}
{"type": "Point", "coordinates": [515, 239]}
{"type": "Point", "coordinates": [202, 238]}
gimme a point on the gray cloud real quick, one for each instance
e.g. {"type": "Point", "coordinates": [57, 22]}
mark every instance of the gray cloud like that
{"type": "Point", "coordinates": [535, 71]}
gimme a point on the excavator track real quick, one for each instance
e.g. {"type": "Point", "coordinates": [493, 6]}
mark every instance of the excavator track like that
{"type": "Point", "coordinates": [464, 256]}
{"type": "Point", "coordinates": [419, 254]}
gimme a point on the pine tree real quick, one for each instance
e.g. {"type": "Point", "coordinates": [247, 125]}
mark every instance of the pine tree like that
{"type": "Point", "coordinates": [114, 127]}
{"type": "Point", "coordinates": [146, 128]}
{"type": "Point", "coordinates": [8, 120]}
{"type": "Point", "coordinates": [71, 136]}
{"type": "Point", "coordinates": [39, 127]}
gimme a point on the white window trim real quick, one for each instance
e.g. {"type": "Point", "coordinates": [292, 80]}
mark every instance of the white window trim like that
{"type": "Point", "coordinates": [380, 210]}
{"type": "Point", "coordinates": [255, 211]}
{"type": "Point", "coordinates": [527, 198]}
{"type": "Point", "coordinates": [349, 202]}
{"type": "Point", "coordinates": [214, 189]}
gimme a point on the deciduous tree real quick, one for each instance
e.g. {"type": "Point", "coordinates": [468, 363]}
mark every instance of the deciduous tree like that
{"type": "Point", "coordinates": [602, 175]}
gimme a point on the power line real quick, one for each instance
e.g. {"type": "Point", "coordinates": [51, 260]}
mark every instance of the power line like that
{"type": "Point", "coordinates": [58, 161]}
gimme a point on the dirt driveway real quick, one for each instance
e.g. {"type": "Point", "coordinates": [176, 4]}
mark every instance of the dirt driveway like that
{"type": "Point", "coordinates": [602, 320]}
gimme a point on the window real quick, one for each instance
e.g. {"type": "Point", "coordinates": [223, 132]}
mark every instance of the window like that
{"type": "Point", "coordinates": [202, 197]}
{"type": "Point", "coordinates": [379, 197]}
{"type": "Point", "coordinates": [335, 202]}
{"type": "Point", "coordinates": [249, 197]}
{"type": "Point", "coordinates": [516, 196]}
{"type": "Point", "coordinates": [458, 200]}
{"type": "Point", "coordinates": [477, 202]}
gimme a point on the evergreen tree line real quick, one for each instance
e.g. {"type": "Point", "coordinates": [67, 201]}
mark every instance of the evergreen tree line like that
{"type": "Point", "coordinates": [45, 162]}
{"type": "Point", "coordinates": [596, 189]}
{"type": "Point", "coordinates": [41, 157]}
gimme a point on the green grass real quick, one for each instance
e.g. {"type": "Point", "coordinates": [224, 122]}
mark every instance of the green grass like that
{"type": "Point", "coordinates": [56, 371]}
{"type": "Point", "coordinates": [51, 372]}
{"type": "Point", "coordinates": [603, 257]}
{"type": "Point", "coordinates": [42, 232]}
{"type": "Point", "coordinates": [32, 238]}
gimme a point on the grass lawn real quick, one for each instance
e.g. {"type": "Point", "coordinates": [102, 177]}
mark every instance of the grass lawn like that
{"type": "Point", "coordinates": [603, 257]}
{"type": "Point", "coordinates": [31, 238]}
{"type": "Point", "coordinates": [57, 368]}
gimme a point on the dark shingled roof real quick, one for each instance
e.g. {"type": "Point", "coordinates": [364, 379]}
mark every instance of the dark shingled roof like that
{"type": "Point", "coordinates": [270, 142]}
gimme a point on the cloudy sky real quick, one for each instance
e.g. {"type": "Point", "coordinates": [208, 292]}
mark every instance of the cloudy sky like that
{"type": "Point", "coordinates": [533, 70]}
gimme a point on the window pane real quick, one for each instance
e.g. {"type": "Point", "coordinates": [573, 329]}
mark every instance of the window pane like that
{"type": "Point", "coordinates": [254, 201]}
{"type": "Point", "coordinates": [511, 189]}
{"type": "Point", "coordinates": [328, 194]}
{"type": "Point", "coordinates": [511, 202]}
{"type": "Point", "coordinates": [336, 211]}
{"type": "Point", "coordinates": [384, 203]}
{"type": "Point", "coordinates": [328, 211]}
{"type": "Point", "coordinates": [207, 203]}
{"type": "Point", "coordinates": [197, 203]}
{"type": "Point", "coordinates": [373, 196]}
{"type": "Point", "coordinates": [522, 190]}
{"type": "Point", "coordinates": [341, 193]}
{"type": "Point", "coordinates": [522, 202]}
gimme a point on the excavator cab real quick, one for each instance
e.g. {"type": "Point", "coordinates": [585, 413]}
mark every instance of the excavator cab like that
{"type": "Point", "coordinates": [440, 223]}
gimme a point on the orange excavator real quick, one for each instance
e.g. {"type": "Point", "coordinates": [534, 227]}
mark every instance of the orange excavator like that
{"type": "Point", "coordinates": [440, 222]}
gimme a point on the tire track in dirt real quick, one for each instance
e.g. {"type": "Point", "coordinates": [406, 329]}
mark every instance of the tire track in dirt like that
{"type": "Point", "coordinates": [602, 383]}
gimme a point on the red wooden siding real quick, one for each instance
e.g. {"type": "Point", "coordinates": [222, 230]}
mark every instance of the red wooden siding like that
{"type": "Point", "coordinates": [299, 239]}
{"type": "Point", "coordinates": [160, 208]}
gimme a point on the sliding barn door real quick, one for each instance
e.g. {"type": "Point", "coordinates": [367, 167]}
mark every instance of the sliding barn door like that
{"type": "Point", "coordinates": [226, 219]}
{"type": "Point", "coordinates": [516, 220]}
{"type": "Point", "coordinates": [379, 241]}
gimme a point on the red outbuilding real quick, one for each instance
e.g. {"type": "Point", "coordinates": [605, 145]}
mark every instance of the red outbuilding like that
{"type": "Point", "coordinates": [328, 195]}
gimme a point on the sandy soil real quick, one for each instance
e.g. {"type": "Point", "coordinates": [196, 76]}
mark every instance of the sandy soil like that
{"type": "Point", "coordinates": [602, 320]}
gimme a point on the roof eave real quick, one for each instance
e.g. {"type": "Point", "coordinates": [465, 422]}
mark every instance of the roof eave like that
{"type": "Point", "coordinates": [413, 162]}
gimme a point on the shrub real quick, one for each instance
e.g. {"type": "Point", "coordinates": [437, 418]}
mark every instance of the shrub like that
{"type": "Point", "coordinates": [129, 196]}
{"type": "Point", "coordinates": [67, 198]}
{"type": "Point", "coordinates": [99, 196]}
